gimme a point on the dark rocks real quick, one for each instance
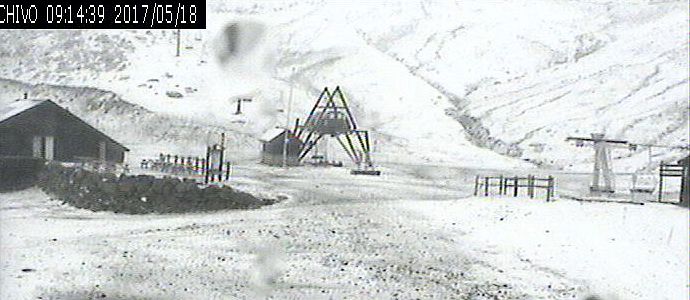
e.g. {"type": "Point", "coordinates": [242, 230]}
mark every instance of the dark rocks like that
{"type": "Point", "coordinates": [140, 194]}
{"type": "Point", "coordinates": [174, 94]}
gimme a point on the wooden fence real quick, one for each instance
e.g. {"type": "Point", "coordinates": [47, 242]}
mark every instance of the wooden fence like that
{"type": "Point", "coordinates": [507, 185]}
{"type": "Point", "coordinates": [188, 165]}
{"type": "Point", "coordinates": [670, 170]}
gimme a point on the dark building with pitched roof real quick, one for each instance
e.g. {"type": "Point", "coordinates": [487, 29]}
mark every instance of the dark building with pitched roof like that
{"type": "Point", "coordinates": [43, 129]}
{"type": "Point", "coordinates": [272, 148]}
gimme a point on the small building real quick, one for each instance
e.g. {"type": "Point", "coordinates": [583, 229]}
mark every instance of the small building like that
{"type": "Point", "coordinates": [272, 148]}
{"type": "Point", "coordinates": [685, 185]}
{"type": "Point", "coordinates": [43, 129]}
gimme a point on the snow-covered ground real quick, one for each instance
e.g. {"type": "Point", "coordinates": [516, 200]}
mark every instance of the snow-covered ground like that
{"type": "Point", "coordinates": [448, 89]}
{"type": "Point", "coordinates": [397, 236]}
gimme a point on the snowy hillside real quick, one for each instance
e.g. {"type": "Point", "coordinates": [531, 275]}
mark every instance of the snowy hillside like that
{"type": "Point", "coordinates": [524, 77]}
{"type": "Point", "coordinates": [431, 79]}
{"type": "Point", "coordinates": [145, 133]}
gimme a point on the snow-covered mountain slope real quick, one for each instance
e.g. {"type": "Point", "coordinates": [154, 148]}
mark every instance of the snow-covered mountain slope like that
{"type": "Point", "coordinates": [524, 77]}
{"type": "Point", "coordinates": [431, 79]}
{"type": "Point", "coordinates": [146, 133]}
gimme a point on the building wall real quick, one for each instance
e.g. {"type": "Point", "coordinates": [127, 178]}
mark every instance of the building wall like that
{"type": "Point", "coordinates": [12, 144]}
{"type": "Point", "coordinates": [72, 138]}
{"type": "Point", "coordinates": [272, 151]}
{"type": "Point", "coordinates": [19, 172]}
{"type": "Point", "coordinates": [277, 160]}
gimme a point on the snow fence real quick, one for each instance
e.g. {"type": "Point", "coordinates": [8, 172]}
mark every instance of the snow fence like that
{"type": "Point", "coordinates": [140, 194]}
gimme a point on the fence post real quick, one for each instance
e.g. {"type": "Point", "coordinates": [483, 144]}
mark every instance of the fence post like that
{"type": "Point", "coordinates": [227, 170]}
{"type": "Point", "coordinates": [549, 189]}
{"type": "Point", "coordinates": [220, 163]}
{"type": "Point", "coordinates": [530, 187]}
{"type": "Point", "coordinates": [476, 184]}
{"type": "Point", "coordinates": [206, 165]}
{"type": "Point", "coordinates": [661, 179]}
{"type": "Point", "coordinates": [505, 186]}
{"type": "Point", "coordinates": [500, 185]}
{"type": "Point", "coordinates": [486, 186]}
{"type": "Point", "coordinates": [516, 182]}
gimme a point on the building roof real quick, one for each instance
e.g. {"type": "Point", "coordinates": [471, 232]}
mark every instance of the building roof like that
{"type": "Point", "coordinates": [685, 160]}
{"type": "Point", "coordinates": [270, 134]}
{"type": "Point", "coordinates": [17, 107]}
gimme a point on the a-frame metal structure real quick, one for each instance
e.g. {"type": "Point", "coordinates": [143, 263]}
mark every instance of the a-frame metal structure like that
{"type": "Point", "coordinates": [602, 161]}
{"type": "Point", "coordinates": [331, 117]}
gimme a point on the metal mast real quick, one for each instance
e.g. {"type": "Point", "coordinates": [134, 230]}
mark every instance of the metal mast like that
{"type": "Point", "coordinates": [602, 161]}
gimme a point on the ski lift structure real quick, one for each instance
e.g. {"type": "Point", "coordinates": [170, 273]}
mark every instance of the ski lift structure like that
{"type": "Point", "coordinates": [644, 182]}
{"type": "Point", "coordinates": [320, 155]}
{"type": "Point", "coordinates": [603, 180]}
{"type": "Point", "coordinates": [331, 117]}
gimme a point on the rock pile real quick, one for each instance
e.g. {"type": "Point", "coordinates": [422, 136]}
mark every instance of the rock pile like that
{"type": "Point", "coordinates": [140, 194]}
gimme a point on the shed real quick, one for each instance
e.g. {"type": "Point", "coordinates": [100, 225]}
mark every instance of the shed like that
{"type": "Point", "coordinates": [43, 129]}
{"type": "Point", "coordinates": [272, 148]}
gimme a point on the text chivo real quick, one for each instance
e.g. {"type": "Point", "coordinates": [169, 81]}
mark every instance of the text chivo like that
{"type": "Point", "coordinates": [18, 14]}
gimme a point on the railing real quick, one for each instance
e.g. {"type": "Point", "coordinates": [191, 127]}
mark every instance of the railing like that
{"type": "Point", "coordinates": [188, 166]}
{"type": "Point", "coordinates": [176, 164]}
{"type": "Point", "coordinates": [511, 185]}
{"type": "Point", "coordinates": [100, 166]}
{"type": "Point", "coordinates": [670, 170]}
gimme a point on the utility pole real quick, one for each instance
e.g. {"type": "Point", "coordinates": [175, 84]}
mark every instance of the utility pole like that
{"type": "Point", "coordinates": [286, 139]}
{"type": "Point", "coordinates": [178, 43]}
{"type": "Point", "coordinates": [222, 154]}
{"type": "Point", "coordinates": [649, 157]}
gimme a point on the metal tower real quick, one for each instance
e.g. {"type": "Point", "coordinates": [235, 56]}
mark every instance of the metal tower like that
{"type": "Point", "coordinates": [332, 117]}
{"type": "Point", "coordinates": [602, 162]}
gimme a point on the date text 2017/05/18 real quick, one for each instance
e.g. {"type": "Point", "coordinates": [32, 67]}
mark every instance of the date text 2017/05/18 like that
{"type": "Point", "coordinates": [167, 13]}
